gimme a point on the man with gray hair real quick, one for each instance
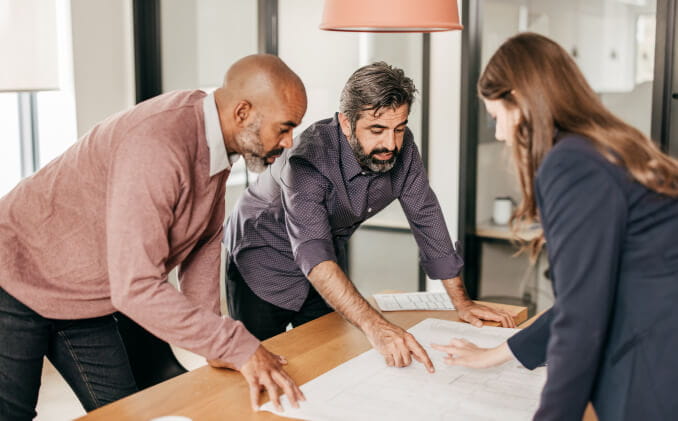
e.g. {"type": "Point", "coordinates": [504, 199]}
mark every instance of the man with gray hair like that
{"type": "Point", "coordinates": [293, 224]}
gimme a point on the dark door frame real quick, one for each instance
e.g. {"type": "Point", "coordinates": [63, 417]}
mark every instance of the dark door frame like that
{"type": "Point", "coordinates": [471, 41]}
{"type": "Point", "coordinates": [147, 49]}
{"type": "Point", "coordinates": [267, 12]}
{"type": "Point", "coordinates": [664, 62]}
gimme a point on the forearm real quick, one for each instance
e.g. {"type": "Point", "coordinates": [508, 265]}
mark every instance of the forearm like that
{"type": "Point", "coordinates": [457, 291]}
{"type": "Point", "coordinates": [334, 286]}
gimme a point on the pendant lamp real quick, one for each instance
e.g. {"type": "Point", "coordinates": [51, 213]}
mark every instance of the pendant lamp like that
{"type": "Point", "coordinates": [390, 15]}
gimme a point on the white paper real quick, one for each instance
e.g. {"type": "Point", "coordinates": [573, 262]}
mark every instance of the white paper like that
{"type": "Point", "coordinates": [414, 301]}
{"type": "Point", "coordinates": [365, 388]}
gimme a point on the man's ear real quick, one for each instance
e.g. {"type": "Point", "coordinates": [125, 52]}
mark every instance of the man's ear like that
{"type": "Point", "coordinates": [345, 125]}
{"type": "Point", "coordinates": [242, 112]}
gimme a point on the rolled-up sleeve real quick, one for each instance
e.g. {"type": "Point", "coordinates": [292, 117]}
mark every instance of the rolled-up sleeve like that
{"type": "Point", "coordinates": [438, 257]}
{"type": "Point", "coordinates": [143, 189]}
{"type": "Point", "coordinates": [303, 190]}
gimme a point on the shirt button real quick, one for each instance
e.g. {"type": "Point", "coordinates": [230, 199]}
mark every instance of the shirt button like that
{"type": "Point", "coordinates": [364, 173]}
{"type": "Point", "coordinates": [369, 209]}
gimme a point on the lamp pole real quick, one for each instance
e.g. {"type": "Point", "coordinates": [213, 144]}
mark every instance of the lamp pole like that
{"type": "Point", "coordinates": [28, 132]}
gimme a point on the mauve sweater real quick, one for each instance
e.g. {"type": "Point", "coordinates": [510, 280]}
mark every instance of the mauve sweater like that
{"type": "Point", "coordinates": [98, 229]}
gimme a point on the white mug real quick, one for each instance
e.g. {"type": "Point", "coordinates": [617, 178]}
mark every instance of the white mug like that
{"type": "Point", "coordinates": [502, 211]}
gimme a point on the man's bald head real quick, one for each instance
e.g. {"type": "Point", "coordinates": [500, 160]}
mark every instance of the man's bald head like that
{"type": "Point", "coordinates": [260, 103]}
{"type": "Point", "coordinates": [259, 76]}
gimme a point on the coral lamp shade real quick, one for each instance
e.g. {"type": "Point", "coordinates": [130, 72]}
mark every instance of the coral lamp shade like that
{"type": "Point", "coordinates": [391, 15]}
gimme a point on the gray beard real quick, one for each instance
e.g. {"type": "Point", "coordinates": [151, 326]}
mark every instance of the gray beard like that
{"type": "Point", "coordinates": [367, 161]}
{"type": "Point", "coordinates": [252, 148]}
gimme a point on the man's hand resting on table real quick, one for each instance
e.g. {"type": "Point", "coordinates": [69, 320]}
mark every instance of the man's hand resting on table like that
{"type": "Point", "coordinates": [475, 313]}
{"type": "Point", "coordinates": [264, 370]}
{"type": "Point", "coordinates": [471, 312]}
{"type": "Point", "coordinates": [397, 345]}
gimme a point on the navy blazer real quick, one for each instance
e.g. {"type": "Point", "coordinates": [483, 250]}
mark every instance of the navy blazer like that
{"type": "Point", "coordinates": [610, 337]}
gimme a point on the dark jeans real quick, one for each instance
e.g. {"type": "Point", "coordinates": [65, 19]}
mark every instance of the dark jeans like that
{"type": "Point", "coordinates": [263, 319]}
{"type": "Point", "coordinates": [88, 353]}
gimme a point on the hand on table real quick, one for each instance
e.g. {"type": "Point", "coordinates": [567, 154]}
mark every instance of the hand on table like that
{"type": "Point", "coordinates": [264, 370]}
{"type": "Point", "coordinates": [398, 346]}
{"type": "Point", "coordinates": [467, 354]}
{"type": "Point", "coordinates": [474, 314]}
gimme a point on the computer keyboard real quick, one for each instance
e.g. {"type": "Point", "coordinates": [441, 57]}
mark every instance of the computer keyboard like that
{"type": "Point", "coordinates": [414, 301]}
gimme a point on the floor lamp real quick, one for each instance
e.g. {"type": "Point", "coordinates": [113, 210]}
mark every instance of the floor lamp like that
{"type": "Point", "coordinates": [28, 51]}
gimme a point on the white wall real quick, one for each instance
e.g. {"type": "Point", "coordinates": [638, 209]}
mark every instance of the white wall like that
{"type": "Point", "coordinates": [323, 59]}
{"type": "Point", "coordinates": [445, 127]}
{"type": "Point", "coordinates": [202, 38]}
{"type": "Point", "coordinates": [179, 52]}
{"type": "Point", "coordinates": [103, 59]}
{"type": "Point", "coordinates": [445, 124]}
{"type": "Point", "coordinates": [227, 31]}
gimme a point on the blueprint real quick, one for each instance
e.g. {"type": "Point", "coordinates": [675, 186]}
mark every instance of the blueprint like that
{"type": "Point", "coordinates": [365, 388]}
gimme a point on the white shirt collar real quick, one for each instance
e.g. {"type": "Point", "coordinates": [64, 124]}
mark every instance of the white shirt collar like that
{"type": "Point", "coordinates": [220, 159]}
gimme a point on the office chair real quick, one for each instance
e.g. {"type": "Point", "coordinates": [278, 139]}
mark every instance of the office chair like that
{"type": "Point", "coordinates": [151, 359]}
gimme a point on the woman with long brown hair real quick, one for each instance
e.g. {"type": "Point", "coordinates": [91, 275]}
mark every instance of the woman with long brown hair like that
{"type": "Point", "coordinates": [607, 199]}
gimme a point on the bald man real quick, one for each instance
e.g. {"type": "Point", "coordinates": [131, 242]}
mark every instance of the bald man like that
{"type": "Point", "coordinates": [98, 229]}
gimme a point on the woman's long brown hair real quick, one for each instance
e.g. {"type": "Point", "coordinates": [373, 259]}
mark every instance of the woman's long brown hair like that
{"type": "Point", "coordinates": [533, 73]}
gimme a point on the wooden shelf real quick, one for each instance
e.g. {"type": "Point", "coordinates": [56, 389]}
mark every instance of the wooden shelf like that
{"type": "Point", "coordinates": [493, 231]}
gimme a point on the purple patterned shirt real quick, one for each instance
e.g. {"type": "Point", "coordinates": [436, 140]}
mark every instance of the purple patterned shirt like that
{"type": "Point", "coordinates": [304, 208]}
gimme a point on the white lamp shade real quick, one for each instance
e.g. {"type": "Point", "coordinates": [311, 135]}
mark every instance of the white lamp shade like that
{"type": "Point", "coordinates": [28, 45]}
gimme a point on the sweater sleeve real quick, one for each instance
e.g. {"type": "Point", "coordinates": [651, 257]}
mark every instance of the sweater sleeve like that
{"type": "Point", "coordinates": [199, 273]}
{"type": "Point", "coordinates": [584, 211]}
{"type": "Point", "coordinates": [144, 185]}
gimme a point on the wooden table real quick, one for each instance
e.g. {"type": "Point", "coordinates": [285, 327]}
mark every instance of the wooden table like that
{"type": "Point", "coordinates": [216, 394]}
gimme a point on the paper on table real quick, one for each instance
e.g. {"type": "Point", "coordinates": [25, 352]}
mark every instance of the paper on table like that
{"type": "Point", "coordinates": [414, 301]}
{"type": "Point", "coordinates": [364, 388]}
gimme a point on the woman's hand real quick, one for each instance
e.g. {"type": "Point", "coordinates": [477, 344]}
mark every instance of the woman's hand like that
{"type": "Point", "coordinates": [467, 354]}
